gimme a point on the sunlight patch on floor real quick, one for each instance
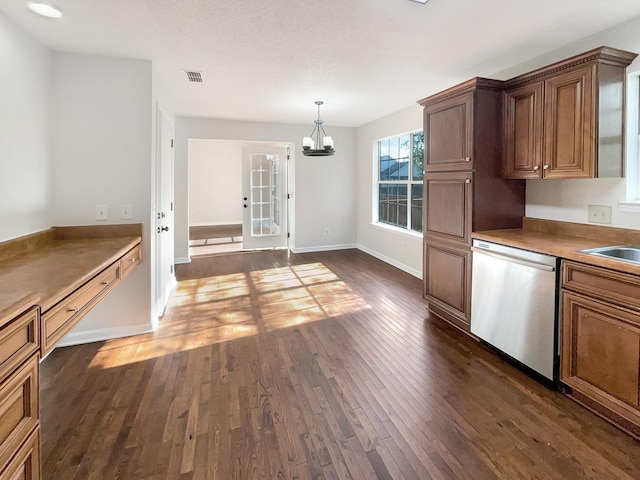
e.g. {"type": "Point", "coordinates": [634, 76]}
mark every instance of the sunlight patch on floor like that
{"type": "Point", "coordinates": [216, 309]}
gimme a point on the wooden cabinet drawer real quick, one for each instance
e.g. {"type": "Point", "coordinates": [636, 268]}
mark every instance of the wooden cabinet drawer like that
{"type": "Point", "coordinates": [26, 463]}
{"type": "Point", "coordinates": [57, 321]}
{"type": "Point", "coordinates": [615, 287]}
{"type": "Point", "coordinates": [132, 258]}
{"type": "Point", "coordinates": [19, 339]}
{"type": "Point", "coordinates": [19, 409]}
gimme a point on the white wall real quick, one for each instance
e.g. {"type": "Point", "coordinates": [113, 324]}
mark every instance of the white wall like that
{"type": "Point", "coordinates": [323, 187]}
{"type": "Point", "coordinates": [385, 243]}
{"type": "Point", "coordinates": [215, 182]}
{"type": "Point", "coordinates": [25, 158]}
{"type": "Point", "coordinates": [567, 200]}
{"type": "Point", "coordinates": [102, 144]}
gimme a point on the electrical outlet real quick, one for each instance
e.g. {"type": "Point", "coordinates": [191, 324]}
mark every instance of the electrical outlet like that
{"type": "Point", "coordinates": [102, 212]}
{"type": "Point", "coordinates": [326, 231]}
{"type": "Point", "coordinates": [599, 214]}
{"type": "Point", "coordinates": [125, 212]}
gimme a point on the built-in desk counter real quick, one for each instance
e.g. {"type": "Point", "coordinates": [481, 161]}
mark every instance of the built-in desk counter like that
{"type": "Point", "coordinates": [48, 282]}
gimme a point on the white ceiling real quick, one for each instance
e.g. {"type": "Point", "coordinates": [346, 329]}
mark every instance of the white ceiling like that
{"type": "Point", "coordinates": [269, 60]}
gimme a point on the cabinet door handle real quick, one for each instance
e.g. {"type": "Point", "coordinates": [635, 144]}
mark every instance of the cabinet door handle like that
{"type": "Point", "coordinates": [546, 167]}
{"type": "Point", "coordinates": [467, 159]}
{"type": "Point", "coordinates": [105, 283]}
{"type": "Point", "coordinates": [74, 310]}
{"type": "Point", "coordinates": [535, 167]}
{"type": "Point", "coordinates": [467, 181]}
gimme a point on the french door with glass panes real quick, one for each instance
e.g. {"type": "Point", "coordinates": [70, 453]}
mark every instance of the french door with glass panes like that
{"type": "Point", "coordinates": [264, 219]}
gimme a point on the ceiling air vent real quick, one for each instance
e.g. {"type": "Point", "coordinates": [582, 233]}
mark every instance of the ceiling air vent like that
{"type": "Point", "coordinates": [195, 77]}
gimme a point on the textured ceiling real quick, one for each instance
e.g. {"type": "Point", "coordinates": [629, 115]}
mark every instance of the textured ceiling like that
{"type": "Point", "coordinates": [269, 60]}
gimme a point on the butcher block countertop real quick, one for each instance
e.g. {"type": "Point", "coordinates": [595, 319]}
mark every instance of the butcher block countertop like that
{"type": "Point", "coordinates": [43, 268]}
{"type": "Point", "coordinates": [565, 240]}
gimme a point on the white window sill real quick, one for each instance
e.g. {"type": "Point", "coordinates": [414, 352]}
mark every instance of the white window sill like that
{"type": "Point", "coordinates": [401, 231]}
{"type": "Point", "coordinates": [630, 206]}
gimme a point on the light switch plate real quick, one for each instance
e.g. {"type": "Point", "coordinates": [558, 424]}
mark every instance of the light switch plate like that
{"type": "Point", "coordinates": [102, 212]}
{"type": "Point", "coordinates": [125, 212]}
{"type": "Point", "coordinates": [599, 214]}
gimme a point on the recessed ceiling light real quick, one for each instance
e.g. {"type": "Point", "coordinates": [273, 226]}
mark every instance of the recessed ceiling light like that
{"type": "Point", "coordinates": [45, 10]}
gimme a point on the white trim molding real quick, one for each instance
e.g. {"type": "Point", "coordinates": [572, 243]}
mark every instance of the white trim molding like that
{"type": "Point", "coordinates": [180, 260]}
{"type": "Point", "coordinates": [100, 334]}
{"type": "Point", "coordinates": [391, 261]}
{"type": "Point", "coordinates": [630, 206]}
{"type": "Point", "coordinates": [324, 248]}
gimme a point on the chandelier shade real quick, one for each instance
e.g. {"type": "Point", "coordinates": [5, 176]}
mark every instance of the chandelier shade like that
{"type": "Point", "coordinates": [319, 144]}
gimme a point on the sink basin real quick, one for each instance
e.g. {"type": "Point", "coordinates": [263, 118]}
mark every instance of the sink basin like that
{"type": "Point", "coordinates": [624, 253]}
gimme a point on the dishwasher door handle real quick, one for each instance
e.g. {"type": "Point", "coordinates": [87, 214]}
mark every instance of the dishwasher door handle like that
{"type": "Point", "coordinates": [519, 261]}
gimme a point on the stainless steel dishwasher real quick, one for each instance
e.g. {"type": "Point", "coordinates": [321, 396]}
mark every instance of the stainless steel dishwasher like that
{"type": "Point", "coordinates": [514, 304]}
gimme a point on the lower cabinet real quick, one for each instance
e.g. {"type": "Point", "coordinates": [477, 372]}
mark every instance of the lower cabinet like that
{"type": "Point", "coordinates": [447, 282]}
{"type": "Point", "coordinates": [25, 465]}
{"type": "Point", "coordinates": [600, 349]}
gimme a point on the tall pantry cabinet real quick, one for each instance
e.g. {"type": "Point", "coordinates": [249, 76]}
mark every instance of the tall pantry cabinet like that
{"type": "Point", "coordinates": [463, 190]}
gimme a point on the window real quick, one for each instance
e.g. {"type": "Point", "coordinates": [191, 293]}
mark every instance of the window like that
{"type": "Point", "coordinates": [400, 161]}
{"type": "Point", "coordinates": [633, 144]}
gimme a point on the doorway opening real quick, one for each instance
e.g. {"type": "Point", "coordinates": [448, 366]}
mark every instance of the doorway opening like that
{"type": "Point", "coordinates": [238, 196]}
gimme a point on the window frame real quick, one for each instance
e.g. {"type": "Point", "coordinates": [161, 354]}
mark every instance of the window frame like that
{"type": "Point", "coordinates": [409, 182]}
{"type": "Point", "coordinates": [632, 153]}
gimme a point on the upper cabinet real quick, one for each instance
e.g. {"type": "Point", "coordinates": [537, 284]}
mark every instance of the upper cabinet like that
{"type": "Point", "coordinates": [567, 120]}
{"type": "Point", "coordinates": [448, 131]}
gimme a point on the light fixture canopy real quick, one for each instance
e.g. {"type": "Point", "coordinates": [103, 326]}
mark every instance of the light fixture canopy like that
{"type": "Point", "coordinates": [323, 142]}
{"type": "Point", "coordinates": [44, 9]}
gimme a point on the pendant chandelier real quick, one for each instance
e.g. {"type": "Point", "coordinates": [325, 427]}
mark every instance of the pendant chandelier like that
{"type": "Point", "coordinates": [318, 145]}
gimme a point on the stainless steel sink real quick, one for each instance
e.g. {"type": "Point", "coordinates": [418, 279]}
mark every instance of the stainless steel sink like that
{"type": "Point", "coordinates": [625, 253]}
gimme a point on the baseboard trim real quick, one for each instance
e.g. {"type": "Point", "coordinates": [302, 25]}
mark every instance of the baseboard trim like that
{"type": "Point", "coordinates": [214, 224]}
{"type": "Point", "coordinates": [324, 248]}
{"type": "Point", "coordinates": [100, 334]}
{"type": "Point", "coordinates": [391, 261]}
{"type": "Point", "coordinates": [181, 260]}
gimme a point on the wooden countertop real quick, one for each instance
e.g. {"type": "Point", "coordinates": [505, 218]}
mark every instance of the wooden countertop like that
{"type": "Point", "coordinates": [47, 273]}
{"type": "Point", "coordinates": [565, 240]}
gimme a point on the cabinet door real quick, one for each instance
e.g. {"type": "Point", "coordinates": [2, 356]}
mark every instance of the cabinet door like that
{"type": "Point", "coordinates": [447, 282]}
{"type": "Point", "coordinates": [523, 132]}
{"type": "Point", "coordinates": [569, 149]}
{"type": "Point", "coordinates": [448, 134]}
{"type": "Point", "coordinates": [600, 353]}
{"type": "Point", "coordinates": [447, 201]}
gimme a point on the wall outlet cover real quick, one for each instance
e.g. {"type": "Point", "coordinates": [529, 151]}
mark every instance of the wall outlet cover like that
{"type": "Point", "coordinates": [102, 212]}
{"type": "Point", "coordinates": [125, 212]}
{"type": "Point", "coordinates": [599, 214]}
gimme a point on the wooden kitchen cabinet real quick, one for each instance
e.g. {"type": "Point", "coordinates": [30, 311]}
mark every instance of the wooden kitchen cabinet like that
{"type": "Point", "coordinates": [447, 282]}
{"type": "Point", "coordinates": [566, 120]}
{"type": "Point", "coordinates": [448, 134]}
{"type": "Point", "coordinates": [463, 190]}
{"type": "Point", "coordinates": [523, 131]}
{"type": "Point", "coordinates": [600, 349]}
{"type": "Point", "coordinates": [447, 202]}
{"type": "Point", "coordinates": [19, 394]}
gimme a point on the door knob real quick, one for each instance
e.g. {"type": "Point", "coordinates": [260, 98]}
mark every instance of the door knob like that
{"type": "Point", "coordinates": [245, 199]}
{"type": "Point", "coordinates": [245, 205]}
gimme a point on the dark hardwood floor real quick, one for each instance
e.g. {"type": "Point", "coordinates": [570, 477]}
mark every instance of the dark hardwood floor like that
{"type": "Point", "coordinates": [327, 365]}
{"type": "Point", "coordinates": [214, 231]}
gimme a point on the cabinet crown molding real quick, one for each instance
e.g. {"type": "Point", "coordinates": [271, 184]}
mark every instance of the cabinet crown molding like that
{"type": "Point", "coordinates": [603, 55]}
{"type": "Point", "coordinates": [465, 87]}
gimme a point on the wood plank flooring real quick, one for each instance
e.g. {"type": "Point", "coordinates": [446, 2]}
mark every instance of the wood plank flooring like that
{"type": "Point", "coordinates": [313, 366]}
